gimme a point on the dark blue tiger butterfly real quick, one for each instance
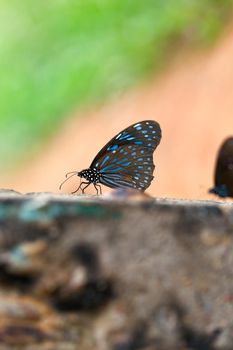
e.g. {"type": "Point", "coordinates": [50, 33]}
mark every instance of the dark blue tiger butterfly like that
{"type": "Point", "coordinates": [126, 161]}
{"type": "Point", "coordinates": [223, 178]}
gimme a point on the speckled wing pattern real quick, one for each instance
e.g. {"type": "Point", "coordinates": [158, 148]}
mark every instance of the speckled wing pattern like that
{"type": "Point", "coordinates": [126, 161]}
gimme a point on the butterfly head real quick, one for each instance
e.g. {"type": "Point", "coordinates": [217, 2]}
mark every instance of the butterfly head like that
{"type": "Point", "coordinates": [83, 173]}
{"type": "Point", "coordinates": [92, 175]}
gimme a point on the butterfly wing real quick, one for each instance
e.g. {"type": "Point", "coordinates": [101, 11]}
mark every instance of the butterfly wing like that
{"type": "Point", "coordinates": [127, 159]}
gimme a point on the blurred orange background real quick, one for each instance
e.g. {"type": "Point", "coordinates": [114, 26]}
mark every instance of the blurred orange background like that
{"type": "Point", "coordinates": [74, 74]}
{"type": "Point", "coordinates": [193, 102]}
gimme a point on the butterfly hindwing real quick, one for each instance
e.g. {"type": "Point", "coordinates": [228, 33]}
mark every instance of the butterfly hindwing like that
{"type": "Point", "coordinates": [127, 159]}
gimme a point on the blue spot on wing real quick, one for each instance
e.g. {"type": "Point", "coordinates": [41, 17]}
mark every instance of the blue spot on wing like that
{"type": "Point", "coordinates": [112, 148]}
{"type": "Point", "coordinates": [126, 164]}
{"type": "Point", "coordinates": [107, 169]}
{"type": "Point", "coordinates": [130, 138]}
{"type": "Point", "coordinates": [122, 160]}
{"type": "Point", "coordinates": [105, 160]}
{"type": "Point", "coordinates": [127, 137]}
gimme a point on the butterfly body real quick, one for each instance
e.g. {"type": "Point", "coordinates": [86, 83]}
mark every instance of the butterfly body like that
{"type": "Point", "coordinates": [223, 178]}
{"type": "Point", "coordinates": [126, 161]}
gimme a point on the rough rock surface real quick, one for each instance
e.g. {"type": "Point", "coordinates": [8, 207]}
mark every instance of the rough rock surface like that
{"type": "Point", "coordinates": [115, 273]}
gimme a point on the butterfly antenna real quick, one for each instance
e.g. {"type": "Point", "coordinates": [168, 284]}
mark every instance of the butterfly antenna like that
{"type": "Point", "coordinates": [71, 172]}
{"type": "Point", "coordinates": [67, 178]}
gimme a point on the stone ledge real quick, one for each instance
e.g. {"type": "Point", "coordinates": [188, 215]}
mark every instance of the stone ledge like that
{"type": "Point", "coordinates": [115, 273]}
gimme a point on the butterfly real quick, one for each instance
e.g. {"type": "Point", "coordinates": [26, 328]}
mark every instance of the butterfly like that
{"type": "Point", "coordinates": [126, 161]}
{"type": "Point", "coordinates": [223, 180]}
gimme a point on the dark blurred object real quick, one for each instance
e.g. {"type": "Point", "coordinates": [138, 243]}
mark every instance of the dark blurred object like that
{"type": "Point", "coordinates": [224, 170]}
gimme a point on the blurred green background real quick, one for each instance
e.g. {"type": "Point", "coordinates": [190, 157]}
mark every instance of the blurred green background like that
{"type": "Point", "coordinates": [58, 55]}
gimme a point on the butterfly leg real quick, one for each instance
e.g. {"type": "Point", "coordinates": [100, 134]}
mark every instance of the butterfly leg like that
{"type": "Point", "coordinates": [96, 187]}
{"type": "Point", "coordinates": [88, 183]}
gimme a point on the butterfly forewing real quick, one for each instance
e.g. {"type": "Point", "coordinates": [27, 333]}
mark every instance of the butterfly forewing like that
{"type": "Point", "coordinates": [127, 159]}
